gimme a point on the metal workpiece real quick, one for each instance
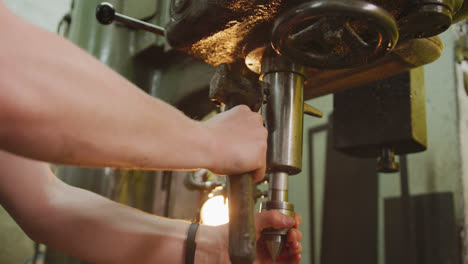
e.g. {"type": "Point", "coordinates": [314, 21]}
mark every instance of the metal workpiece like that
{"type": "Point", "coordinates": [281, 206]}
{"type": "Point", "coordinates": [278, 186]}
{"type": "Point", "coordinates": [277, 200]}
{"type": "Point", "coordinates": [272, 62]}
{"type": "Point", "coordinates": [276, 239]}
{"type": "Point", "coordinates": [106, 14]}
{"type": "Point", "coordinates": [284, 114]}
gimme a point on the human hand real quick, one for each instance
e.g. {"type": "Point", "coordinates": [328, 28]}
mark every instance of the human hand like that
{"type": "Point", "coordinates": [240, 142]}
{"type": "Point", "coordinates": [291, 253]}
{"type": "Point", "coordinates": [218, 237]}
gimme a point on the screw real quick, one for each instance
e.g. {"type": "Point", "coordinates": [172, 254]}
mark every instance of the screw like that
{"type": "Point", "coordinates": [387, 163]}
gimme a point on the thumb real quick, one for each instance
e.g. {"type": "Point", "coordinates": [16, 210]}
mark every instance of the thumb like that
{"type": "Point", "coordinates": [273, 219]}
{"type": "Point", "coordinates": [258, 175]}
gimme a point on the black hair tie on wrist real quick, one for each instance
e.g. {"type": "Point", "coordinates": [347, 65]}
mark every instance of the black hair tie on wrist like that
{"type": "Point", "coordinates": [190, 245]}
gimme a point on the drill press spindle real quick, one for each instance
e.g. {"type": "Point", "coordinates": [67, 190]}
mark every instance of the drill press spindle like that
{"type": "Point", "coordinates": [284, 120]}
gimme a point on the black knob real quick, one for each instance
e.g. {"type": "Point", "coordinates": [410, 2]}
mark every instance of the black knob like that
{"type": "Point", "coordinates": [105, 13]}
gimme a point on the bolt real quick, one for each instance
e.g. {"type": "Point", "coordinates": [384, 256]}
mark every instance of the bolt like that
{"type": "Point", "coordinates": [387, 163]}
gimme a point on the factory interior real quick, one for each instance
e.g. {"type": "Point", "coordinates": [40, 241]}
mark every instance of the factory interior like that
{"type": "Point", "coordinates": [365, 102]}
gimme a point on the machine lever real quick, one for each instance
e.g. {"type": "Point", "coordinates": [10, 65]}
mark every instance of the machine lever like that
{"type": "Point", "coordinates": [106, 15]}
{"type": "Point", "coordinates": [312, 111]}
{"type": "Point", "coordinates": [242, 237]}
{"type": "Point", "coordinates": [242, 240]}
{"type": "Point", "coordinates": [232, 85]}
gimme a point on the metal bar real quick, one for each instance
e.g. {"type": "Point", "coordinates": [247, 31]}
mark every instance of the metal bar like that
{"type": "Point", "coordinates": [278, 186]}
{"type": "Point", "coordinates": [284, 121]}
{"type": "Point", "coordinates": [138, 24]}
{"type": "Point", "coordinates": [242, 240]}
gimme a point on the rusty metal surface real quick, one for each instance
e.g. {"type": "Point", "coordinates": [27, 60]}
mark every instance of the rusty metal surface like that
{"type": "Point", "coordinates": [234, 84]}
{"type": "Point", "coordinates": [226, 31]}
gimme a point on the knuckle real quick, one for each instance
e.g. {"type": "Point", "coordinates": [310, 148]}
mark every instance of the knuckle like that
{"type": "Point", "coordinates": [271, 216]}
{"type": "Point", "coordinates": [259, 117]}
{"type": "Point", "coordinates": [297, 235]}
{"type": "Point", "coordinates": [277, 217]}
{"type": "Point", "coordinates": [292, 235]}
{"type": "Point", "coordinates": [243, 108]}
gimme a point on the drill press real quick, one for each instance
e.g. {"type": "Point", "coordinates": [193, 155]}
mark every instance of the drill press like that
{"type": "Point", "coordinates": [319, 34]}
{"type": "Point", "coordinates": [282, 83]}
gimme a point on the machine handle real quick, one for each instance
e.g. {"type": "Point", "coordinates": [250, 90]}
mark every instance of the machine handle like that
{"type": "Point", "coordinates": [312, 111]}
{"type": "Point", "coordinates": [231, 87]}
{"type": "Point", "coordinates": [106, 15]}
{"type": "Point", "coordinates": [242, 240]}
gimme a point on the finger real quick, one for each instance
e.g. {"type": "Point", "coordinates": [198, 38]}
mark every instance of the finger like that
{"type": "Point", "coordinates": [295, 249]}
{"type": "Point", "coordinates": [256, 118]}
{"type": "Point", "coordinates": [242, 108]}
{"type": "Point", "coordinates": [273, 219]}
{"type": "Point", "coordinates": [258, 175]}
{"type": "Point", "coordinates": [291, 249]}
{"type": "Point", "coordinates": [298, 218]}
{"type": "Point", "coordinates": [294, 235]}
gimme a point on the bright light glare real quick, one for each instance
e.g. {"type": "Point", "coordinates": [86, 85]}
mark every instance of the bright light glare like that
{"type": "Point", "coordinates": [215, 212]}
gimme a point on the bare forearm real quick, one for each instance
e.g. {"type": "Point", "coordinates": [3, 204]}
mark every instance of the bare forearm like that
{"type": "Point", "coordinates": [94, 228]}
{"type": "Point", "coordinates": [107, 232]}
{"type": "Point", "coordinates": [60, 105]}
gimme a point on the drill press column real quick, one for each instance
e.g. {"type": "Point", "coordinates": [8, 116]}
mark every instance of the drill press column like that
{"type": "Point", "coordinates": [284, 121]}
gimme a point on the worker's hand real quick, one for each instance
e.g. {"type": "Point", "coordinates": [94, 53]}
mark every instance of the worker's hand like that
{"type": "Point", "coordinates": [239, 142]}
{"type": "Point", "coordinates": [291, 253]}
